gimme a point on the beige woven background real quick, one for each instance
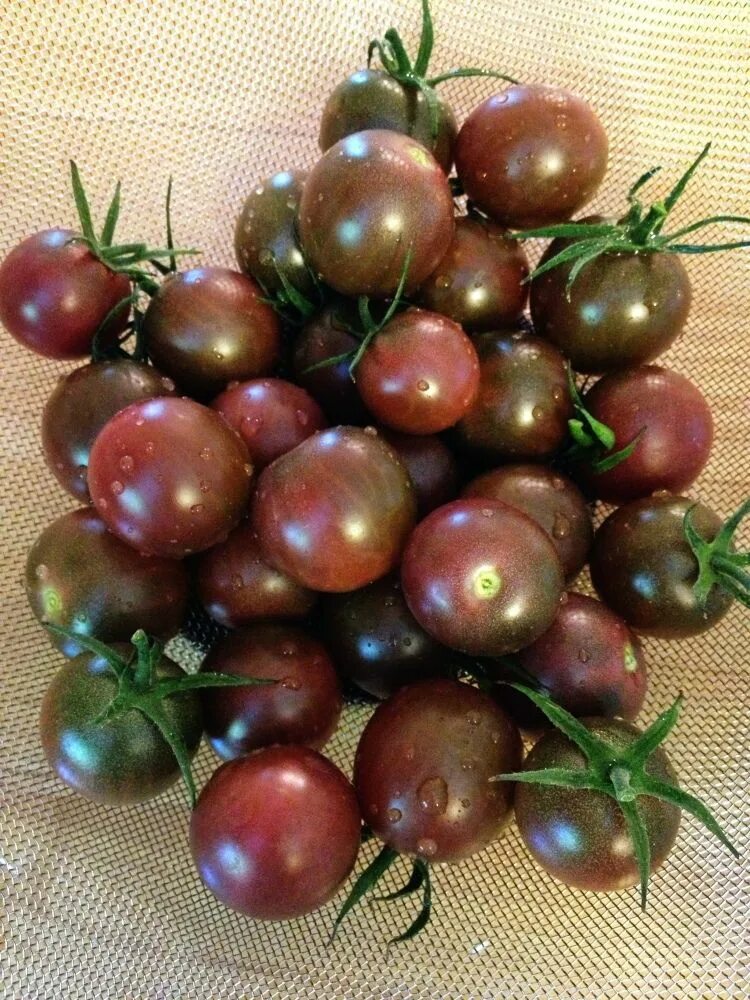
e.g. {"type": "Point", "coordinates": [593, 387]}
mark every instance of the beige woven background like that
{"type": "Point", "coordinates": [99, 903]}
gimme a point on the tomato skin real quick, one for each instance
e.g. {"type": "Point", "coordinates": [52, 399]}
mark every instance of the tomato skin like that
{"type": "Point", "coordinates": [423, 765]}
{"type": "Point", "coordinates": [373, 99]}
{"type": "Point", "coordinates": [125, 760]}
{"type": "Point", "coordinates": [334, 514]}
{"type": "Point", "coordinates": [368, 201]}
{"type": "Point", "coordinates": [81, 404]}
{"type": "Point", "coordinates": [169, 477]}
{"type": "Point", "coordinates": [644, 569]}
{"type": "Point", "coordinates": [237, 586]}
{"type": "Point", "coordinates": [549, 498]}
{"type": "Point", "coordinates": [420, 374]}
{"type": "Point", "coordinates": [481, 577]}
{"type": "Point", "coordinates": [303, 707]}
{"type": "Point", "coordinates": [624, 309]}
{"type": "Point", "coordinates": [275, 834]}
{"type": "Point", "coordinates": [209, 326]}
{"type": "Point", "coordinates": [54, 295]}
{"type": "Point", "coordinates": [531, 155]}
{"type": "Point", "coordinates": [431, 465]}
{"type": "Point", "coordinates": [479, 283]}
{"type": "Point", "coordinates": [676, 425]}
{"type": "Point", "coordinates": [581, 837]}
{"type": "Point", "coordinates": [80, 576]}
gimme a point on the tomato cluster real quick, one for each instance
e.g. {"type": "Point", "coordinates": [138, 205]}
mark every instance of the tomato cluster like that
{"type": "Point", "coordinates": [378, 473]}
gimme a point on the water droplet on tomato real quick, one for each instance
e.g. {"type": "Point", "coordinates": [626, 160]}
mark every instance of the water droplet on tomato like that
{"type": "Point", "coordinates": [560, 526]}
{"type": "Point", "coordinates": [140, 422]}
{"type": "Point", "coordinates": [288, 649]}
{"type": "Point", "coordinates": [251, 425]}
{"type": "Point", "coordinates": [126, 463]}
{"type": "Point", "coordinates": [472, 718]}
{"type": "Point", "coordinates": [409, 753]}
{"type": "Point", "coordinates": [466, 803]}
{"type": "Point", "coordinates": [443, 281]}
{"type": "Point", "coordinates": [148, 448]}
{"type": "Point", "coordinates": [204, 486]}
{"type": "Point", "coordinates": [537, 413]}
{"type": "Point", "coordinates": [303, 419]}
{"type": "Point", "coordinates": [291, 683]}
{"type": "Point", "coordinates": [394, 815]}
{"type": "Point", "coordinates": [205, 454]}
{"type": "Point", "coordinates": [426, 846]}
{"type": "Point", "coordinates": [167, 384]}
{"type": "Point", "coordinates": [584, 656]}
{"type": "Point", "coordinates": [371, 431]}
{"type": "Point", "coordinates": [218, 355]}
{"type": "Point", "coordinates": [468, 764]}
{"type": "Point", "coordinates": [41, 572]}
{"type": "Point", "coordinates": [197, 508]}
{"type": "Point", "coordinates": [102, 503]}
{"type": "Point", "coordinates": [117, 487]}
{"type": "Point", "coordinates": [487, 512]}
{"type": "Point", "coordinates": [265, 257]}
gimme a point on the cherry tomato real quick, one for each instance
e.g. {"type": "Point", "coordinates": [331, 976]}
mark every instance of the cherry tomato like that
{"type": "Point", "coordinates": [55, 294]}
{"type": "Point", "coordinates": [423, 765]}
{"type": "Point", "coordinates": [482, 577]}
{"type": "Point", "coordinates": [479, 281]}
{"type": "Point", "coordinates": [531, 155]}
{"type": "Point", "coordinates": [209, 326]}
{"type": "Point", "coordinates": [276, 833]}
{"type": "Point", "coordinates": [373, 198]}
{"type": "Point", "coordinates": [420, 374]}
{"type": "Point", "coordinates": [169, 477]}
{"type": "Point", "coordinates": [79, 576]}
{"type": "Point", "coordinates": [431, 466]}
{"type": "Point", "coordinates": [334, 514]}
{"type": "Point", "coordinates": [303, 707]}
{"type": "Point", "coordinates": [81, 404]}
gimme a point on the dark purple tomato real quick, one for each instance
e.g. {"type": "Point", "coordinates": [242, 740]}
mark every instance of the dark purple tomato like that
{"type": "Point", "coordinates": [55, 294]}
{"type": "Point", "coordinates": [581, 837]}
{"type": "Point", "coordinates": [335, 513]}
{"type": "Point", "coordinates": [420, 374]}
{"type": "Point", "coordinates": [125, 759]}
{"type": "Point", "coordinates": [169, 477]}
{"type": "Point", "coordinates": [81, 404]}
{"type": "Point", "coordinates": [589, 661]}
{"type": "Point", "coordinates": [275, 834]}
{"type": "Point", "coordinates": [270, 415]}
{"type": "Point", "coordinates": [377, 643]}
{"type": "Point", "coordinates": [373, 99]}
{"type": "Point", "coordinates": [644, 569]}
{"type": "Point", "coordinates": [79, 576]}
{"type": "Point", "coordinates": [210, 326]}
{"type": "Point", "coordinates": [479, 281]}
{"type": "Point", "coordinates": [302, 707]}
{"type": "Point", "coordinates": [624, 309]}
{"type": "Point", "coordinates": [236, 585]}
{"type": "Point", "coordinates": [330, 385]}
{"type": "Point", "coordinates": [431, 466]}
{"type": "Point", "coordinates": [523, 405]}
{"type": "Point", "coordinates": [550, 499]}
{"type": "Point", "coordinates": [531, 155]}
{"type": "Point", "coordinates": [482, 577]}
{"type": "Point", "coordinates": [423, 766]}
{"type": "Point", "coordinates": [676, 425]}
{"type": "Point", "coordinates": [265, 237]}
{"type": "Point", "coordinates": [370, 200]}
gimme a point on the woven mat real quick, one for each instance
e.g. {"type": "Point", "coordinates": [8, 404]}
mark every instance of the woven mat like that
{"type": "Point", "coordinates": [105, 904]}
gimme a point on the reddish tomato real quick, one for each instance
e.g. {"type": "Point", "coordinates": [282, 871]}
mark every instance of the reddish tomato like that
{"type": "Point", "coordinates": [169, 477]}
{"type": "Point", "coordinates": [276, 833]}
{"type": "Point", "coordinates": [431, 466]}
{"type": "Point", "coordinates": [55, 294]}
{"type": "Point", "coordinates": [420, 374]}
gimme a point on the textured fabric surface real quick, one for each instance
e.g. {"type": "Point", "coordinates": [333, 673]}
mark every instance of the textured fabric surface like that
{"type": "Point", "coordinates": [101, 903]}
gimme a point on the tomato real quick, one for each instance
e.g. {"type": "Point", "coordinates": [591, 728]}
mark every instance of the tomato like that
{"type": "Point", "coordinates": [81, 404]}
{"type": "Point", "coordinates": [523, 405]}
{"type": "Point", "coordinates": [303, 707]}
{"type": "Point", "coordinates": [270, 415]}
{"type": "Point", "coordinates": [265, 237]}
{"type": "Point", "coordinates": [481, 577]}
{"type": "Point", "coordinates": [334, 514]}
{"type": "Point", "coordinates": [422, 767]}
{"type": "Point", "coordinates": [55, 294]}
{"type": "Point", "coordinates": [169, 477]}
{"type": "Point", "coordinates": [624, 309]}
{"type": "Point", "coordinates": [209, 326]}
{"type": "Point", "coordinates": [547, 497]}
{"type": "Point", "coordinates": [479, 283]}
{"type": "Point", "coordinates": [676, 432]}
{"type": "Point", "coordinates": [531, 155]}
{"type": "Point", "coordinates": [237, 586]}
{"type": "Point", "coordinates": [276, 833]}
{"type": "Point", "coordinates": [373, 99]}
{"type": "Point", "coordinates": [377, 643]}
{"type": "Point", "coordinates": [431, 466]}
{"type": "Point", "coordinates": [373, 198]}
{"type": "Point", "coordinates": [80, 576]}
{"type": "Point", "coordinates": [644, 569]}
{"type": "Point", "coordinates": [420, 374]}
{"type": "Point", "coordinates": [581, 837]}
{"type": "Point", "coordinates": [125, 759]}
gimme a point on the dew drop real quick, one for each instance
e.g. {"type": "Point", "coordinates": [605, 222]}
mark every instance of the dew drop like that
{"type": "Point", "coordinates": [409, 753]}
{"type": "Point", "coordinates": [482, 175]}
{"type": "Point", "coordinates": [102, 503]}
{"type": "Point", "coordinates": [584, 656]}
{"type": "Point", "coordinates": [140, 422]}
{"type": "Point", "coordinates": [167, 384]}
{"type": "Point", "coordinates": [303, 419]}
{"type": "Point", "coordinates": [218, 355]}
{"type": "Point", "coordinates": [495, 736]}
{"type": "Point", "coordinates": [60, 465]}
{"type": "Point", "coordinates": [487, 512]}
{"type": "Point", "coordinates": [197, 508]}
{"type": "Point", "coordinates": [259, 190]}
{"type": "Point", "coordinates": [557, 394]}
{"type": "Point", "coordinates": [389, 602]}
{"type": "Point", "coordinates": [407, 641]}
{"type": "Point", "coordinates": [423, 385]}
{"type": "Point", "coordinates": [172, 541]}
{"type": "Point", "coordinates": [265, 257]}
{"type": "Point", "coordinates": [288, 649]}
{"type": "Point", "coordinates": [443, 281]}
{"type": "Point", "coordinates": [371, 431]}
{"type": "Point", "coordinates": [563, 598]}
{"type": "Point", "coordinates": [426, 846]}
{"type": "Point", "coordinates": [248, 468]}
{"type": "Point", "coordinates": [558, 483]}
{"type": "Point", "coordinates": [117, 487]}
{"type": "Point", "coordinates": [394, 815]}
{"type": "Point", "coordinates": [41, 572]}
{"type": "Point", "coordinates": [537, 413]}
{"type": "Point", "coordinates": [468, 764]}
{"type": "Point", "coordinates": [374, 809]}
{"type": "Point", "coordinates": [205, 454]}
{"type": "Point", "coordinates": [466, 803]}
{"type": "Point", "coordinates": [149, 447]}
{"type": "Point", "coordinates": [291, 683]}
{"type": "Point", "coordinates": [126, 463]}
{"type": "Point", "coordinates": [251, 425]}
{"type": "Point", "coordinates": [472, 718]}
{"type": "Point", "coordinates": [560, 526]}
{"type": "Point", "coordinates": [204, 486]}
{"type": "Point", "coordinates": [291, 203]}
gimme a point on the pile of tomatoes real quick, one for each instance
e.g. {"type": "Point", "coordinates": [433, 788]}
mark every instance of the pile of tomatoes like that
{"type": "Point", "coordinates": [364, 460]}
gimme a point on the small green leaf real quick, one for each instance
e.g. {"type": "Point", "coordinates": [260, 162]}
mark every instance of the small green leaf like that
{"type": "Point", "coordinates": [610, 461]}
{"type": "Point", "coordinates": [82, 205]}
{"type": "Point", "coordinates": [168, 212]}
{"type": "Point", "coordinates": [689, 803]}
{"type": "Point", "coordinates": [711, 221]}
{"type": "Point", "coordinates": [113, 214]}
{"type": "Point", "coordinates": [561, 777]}
{"type": "Point", "coordinates": [565, 722]}
{"type": "Point", "coordinates": [153, 710]}
{"type": "Point", "coordinates": [674, 195]}
{"type": "Point", "coordinates": [366, 881]}
{"type": "Point", "coordinates": [640, 751]}
{"type": "Point", "coordinates": [424, 914]}
{"type": "Point", "coordinates": [643, 179]}
{"type": "Point", "coordinates": [400, 55]}
{"type": "Point", "coordinates": [413, 885]}
{"type": "Point", "coordinates": [193, 682]}
{"type": "Point", "coordinates": [426, 41]}
{"type": "Point", "coordinates": [639, 836]}
{"type": "Point", "coordinates": [93, 645]}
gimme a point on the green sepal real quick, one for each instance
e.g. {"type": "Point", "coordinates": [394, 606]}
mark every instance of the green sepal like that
{"type": "Point", "coordinates": [364, 883]}
{"type": "Point", "coordinates": [718, 564]}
